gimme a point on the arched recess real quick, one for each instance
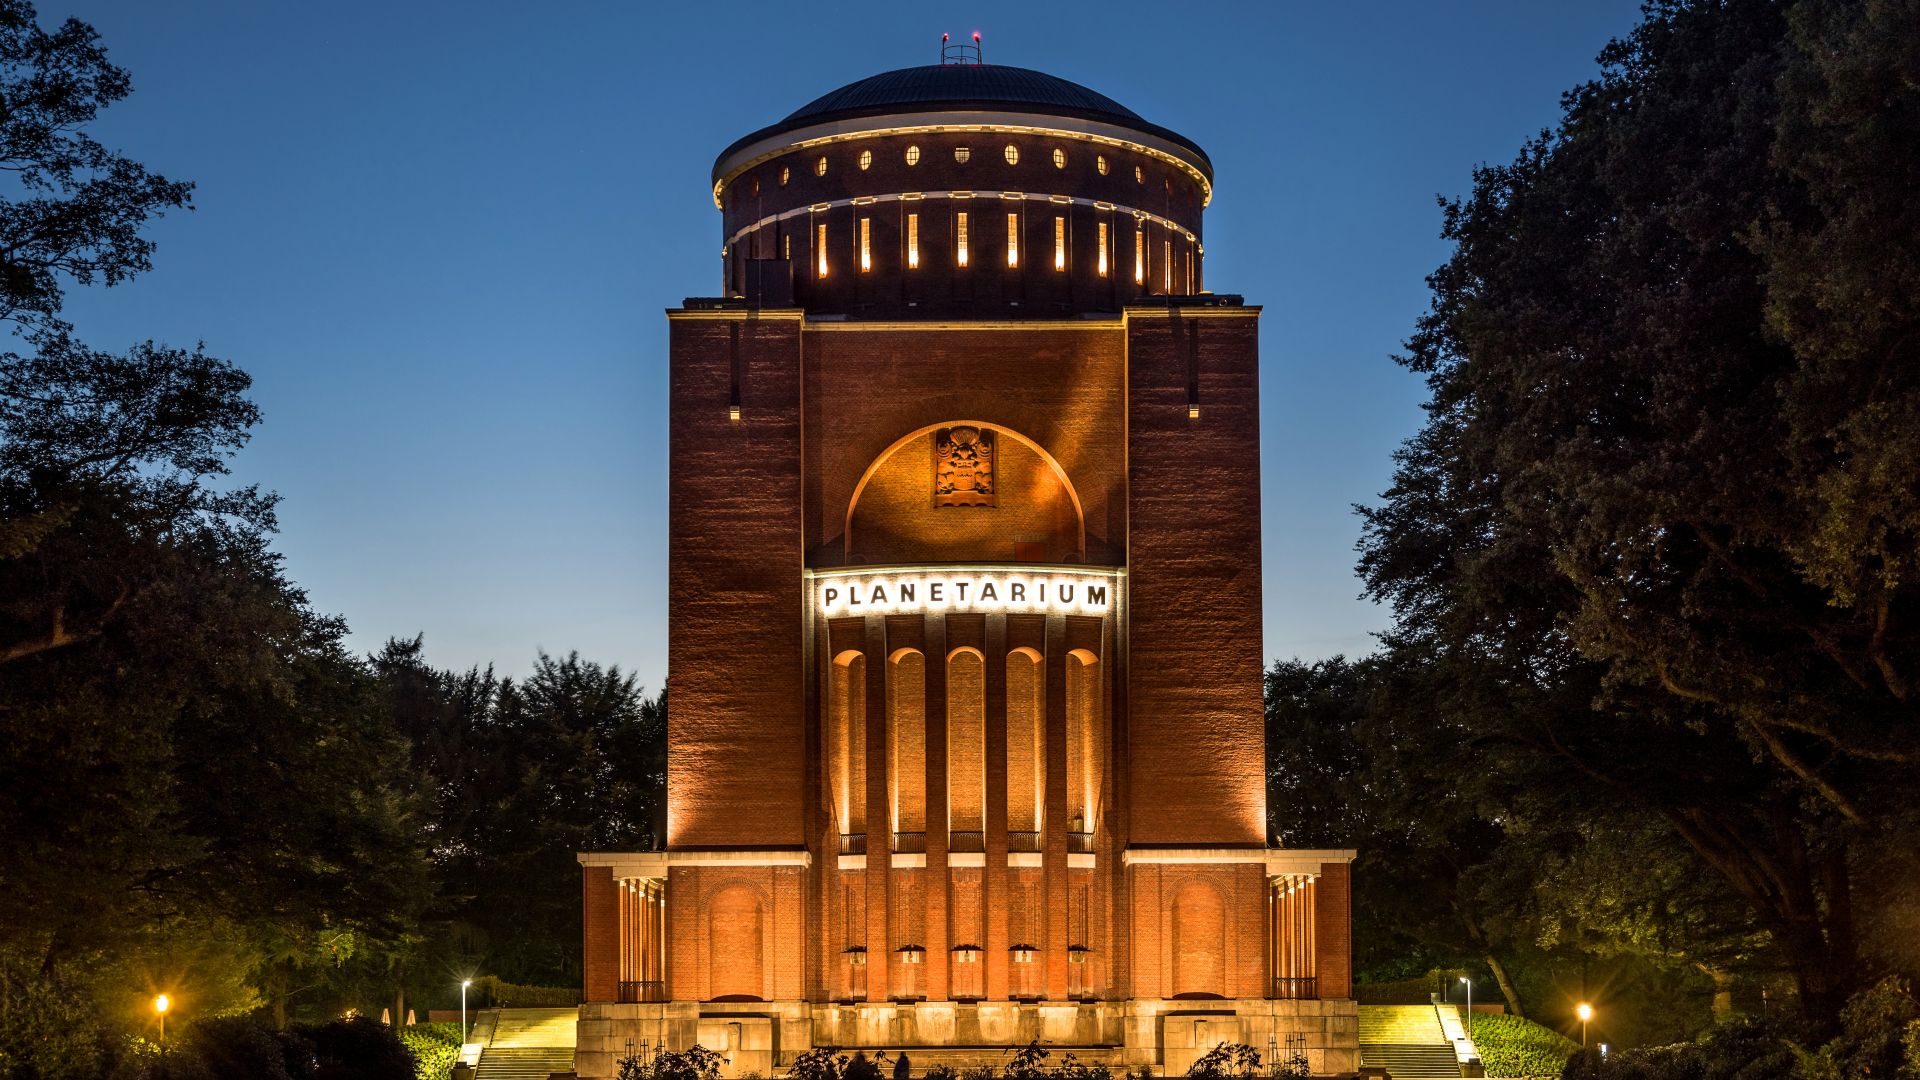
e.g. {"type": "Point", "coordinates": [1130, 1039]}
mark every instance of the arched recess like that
{"type": "Point", "coordinates": [736, 944]}
{"type": "Point", "coordinates": [1199, 941]}
{"type": "Point", "coordinates": [1084, 741]}
{"type": "Point", "coordinates": [966, 740]}
{"type": "Point", "coordinates": [1079, 512]}
{"type": "Point", "coordinates": [1026, 741]}
{"type": "Point", "coordinates": [907, 740]}
{"type": "Point", "coordinates": [846, 739]}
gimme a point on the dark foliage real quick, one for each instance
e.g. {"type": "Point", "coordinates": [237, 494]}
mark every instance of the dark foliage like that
{"type": "Point", "coordinates": [1653, 547]}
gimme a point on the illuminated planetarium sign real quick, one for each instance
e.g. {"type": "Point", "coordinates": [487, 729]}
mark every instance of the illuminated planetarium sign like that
{"type": "Point", "coordinates": [966, 589]}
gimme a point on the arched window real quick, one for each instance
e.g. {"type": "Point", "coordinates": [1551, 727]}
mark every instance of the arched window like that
{"type": "Point", "coordinates": [967, 748]}
{"type": "Point", "coordinates": [847, 741]}
{"type": "Point", "coordinates": [1026, 746]}
{"type": "Point", "coordinates": [1084, 729]}
{"type": "Point", "coordinates": [907, 745]}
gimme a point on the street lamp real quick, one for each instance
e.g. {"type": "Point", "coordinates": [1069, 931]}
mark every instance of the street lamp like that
{"type": "Point", "coordinates": [1469, 983]}
{"type": "Point", "coordinates": [1585, 1012]}
{"type": "Point", "coordinates": [464, 983]}
{"type": "Point", "coordinates": [161, 1003]}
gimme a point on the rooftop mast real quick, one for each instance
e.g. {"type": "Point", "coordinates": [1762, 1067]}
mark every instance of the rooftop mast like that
{"type": "Point", "coordinates": [969, 53]}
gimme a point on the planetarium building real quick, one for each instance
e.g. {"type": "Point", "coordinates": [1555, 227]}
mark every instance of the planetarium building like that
{"type": "Point", "coordinates": [965, 730]}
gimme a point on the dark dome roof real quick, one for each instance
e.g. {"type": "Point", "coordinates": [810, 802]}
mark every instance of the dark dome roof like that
{"type": "Point", "coordinates": [949, 87]}
{"type": "Point", "coordinates": [965, 86]}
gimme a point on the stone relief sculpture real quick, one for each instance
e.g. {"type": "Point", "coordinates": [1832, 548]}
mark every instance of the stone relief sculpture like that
{"type": "Point", "coordinates": [963, 466]}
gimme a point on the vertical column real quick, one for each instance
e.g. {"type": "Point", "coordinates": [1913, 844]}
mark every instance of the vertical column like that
{"type": "Point", "coordinates": [1054, 823]}
{"type": "Point", "coordinates": [600, 922]}
{"type": "Point", "coordinates": [1333, 931]}
{"type": "Point", "coordinates": [993, 895]}
{"type": "Point", "coordinates": [879, 825]}
{"type": "Point", "coordinates": [934, 883]}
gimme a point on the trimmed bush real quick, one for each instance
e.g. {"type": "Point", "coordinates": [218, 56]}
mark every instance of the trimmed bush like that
{"type": "Point", "coordinates": [435, 1048]}
{"type": "Point", "coordinates": [1512, 1046]}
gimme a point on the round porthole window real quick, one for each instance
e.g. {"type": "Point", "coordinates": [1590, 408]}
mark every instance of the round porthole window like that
{"type": "Point", "coordinates": [1139, 174]}
{"type": "Point", "coordinates": [785, 175]}
{"type": "Point", "coordinates": [1100, 163]}
{"type": "Point", "coordinates": [1013, 154]}
{"type": "Point", "coordinates": [820, 167]}
{"type": "Point", "coordinates": [1059, 158]}
{"type": "Point", "coordinates": [913, 155]}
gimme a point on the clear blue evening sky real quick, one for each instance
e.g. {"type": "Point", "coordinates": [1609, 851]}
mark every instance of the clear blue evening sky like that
{"type": "Point", "coordinates": [440, 237]}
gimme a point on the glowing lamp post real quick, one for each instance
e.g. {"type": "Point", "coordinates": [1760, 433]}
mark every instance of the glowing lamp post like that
{"type": "Point", "coordinates": [161, 1003]}
{"type": "Point", "coordinates": [1585, 1012]}
{"type": "Point", "coordinates": [464, 983]}
{"type": "Point", "coordinates": [1469, 983]}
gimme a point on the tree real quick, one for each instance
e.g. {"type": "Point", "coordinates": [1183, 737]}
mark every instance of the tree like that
{"type": "Point", "coordinates": [1660, 512]}
{"type": "Point", "coordinates": [200, 788]}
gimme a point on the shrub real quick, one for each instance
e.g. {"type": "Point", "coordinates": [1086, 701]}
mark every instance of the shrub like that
{"type": "Point", "coordinates": [358, 1049]}
{"type": "Point", "coordinates": [942, 1072]}
{"type": "Point", "coordinates": [1514, 1046]}
{"type": "Point", "coordinates": [1228, 1061]}
{"type": "Point", "coordinates": [859, 1068]}
{"type": "Point", "coordinates": [819, 1063]}
{"type": "Point", "coordinates": [502, 994]}
{"type": "Point", "coordinates": [435, 1048]}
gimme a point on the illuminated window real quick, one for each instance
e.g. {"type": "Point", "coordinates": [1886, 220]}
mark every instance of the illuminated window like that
{"type": "Point", "coordinates": [1139, 175]}
{"type": "Point", "coordinates": [1059, 242]}
{"type": "Point", "coordinates": [960, 237]}
{"type": "Point", "coordinates": [821, 247]}
{"type": "Point", "coordinates": [1100, 162]}
{"type": "Point", "coordinates": [785, 175]}
{"type": "Point", "coordinates": [820, 167]}
{"type": "Point", "coordinates": [1059, 158]}
{"type": "Point", "coordinates": [1013, 154]}
{"type": "Point", "coordinates": [1166, 266]}
{"type": "Point", "coordinates": [866, 244]}
{"type": "Point", "coordinates": [756, 185]}
{"type": "Point", "coordinates": [913, 155]}
{"type": "Point", "coordinates": [1139, 257]}
{"type": "Point", "coordinates": [786, 246]}
{"type": "Point", "coordinates": [1013, 239]}
{"type": "Point", "coordinates": [866, 160]}
{"type": "Point", "coordinates": [1103, 249]}
{"type": "Point", "coordinates": [913, 241]}
{"type": "Point", "coordinates": [961, 154]}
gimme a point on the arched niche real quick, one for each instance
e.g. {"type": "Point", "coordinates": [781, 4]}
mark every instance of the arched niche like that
{"type": "Point", "coordinates": [736, 937]}
{"type": "Point", "coordinates": [1036, 514]}
{"type": "Point", "coordinates": [1199, 942]}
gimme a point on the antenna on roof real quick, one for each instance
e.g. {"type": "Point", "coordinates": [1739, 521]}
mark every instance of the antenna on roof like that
{"type": "Point", "coordinates": [961, 52]}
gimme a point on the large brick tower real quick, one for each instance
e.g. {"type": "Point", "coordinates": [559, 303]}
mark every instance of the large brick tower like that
{"type": "Point", "coordinates": [965, 730]}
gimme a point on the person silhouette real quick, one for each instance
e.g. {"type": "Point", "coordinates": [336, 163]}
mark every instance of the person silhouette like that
{"type": "Point", "coordinates": [902, 1068]}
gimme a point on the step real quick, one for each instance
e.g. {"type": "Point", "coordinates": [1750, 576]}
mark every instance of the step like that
{"type": "Point", "coordinates": [1404, 1061]}
{"type": "Point", "coordinates": [523, 1063]}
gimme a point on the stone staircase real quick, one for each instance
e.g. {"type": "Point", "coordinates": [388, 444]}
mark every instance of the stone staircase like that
{"type": "Point", "coordinates": [1407, 1041]}
{"type": "Point", "coordinates": [529, 1044]}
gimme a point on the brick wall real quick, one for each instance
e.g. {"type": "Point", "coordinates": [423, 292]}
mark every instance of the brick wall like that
{"type": "Point", "coordinates": [1196, 728]}
{"type": "Point", "coordinates": [736, 745]}
{"type": "Point", "coordinates": [600, 934]}
{"type": "Point", "coordinates": [1333, 930]}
